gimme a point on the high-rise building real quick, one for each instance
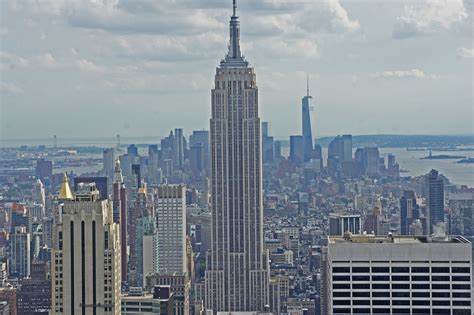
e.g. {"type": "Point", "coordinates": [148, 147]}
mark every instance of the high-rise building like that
{"type": "Point", "coordinates": [44, 169]}
{"type": "Point", "coordinates": [179, 148]}
{"type": "Point", "coordinates": [409, 211]}
{"type": "Point", "coordinates": [306, 126]}
{"type": "Point", "coordinates": [237, 276]}
{"type": "Point", "coordinates": [19, 261]}
{"type": "Point", "coordinates": [109, 165]}
{"type": "Point", "coordinates": [347, 147]}
{"type": "Point", "coordinates": [146, 238]}
{"type": "Point", "coordinates": [267, 144]}
{"type": "Point", "coordinates": [435, 201]}
{"type": "Point", "coordinates": [85, 260]}
{"type": "Point", "coordinates": [171, 227]}
{"type": "Point", "coordinates": [461, 213]}
{"type": "Point", "coordinates": [367, 274]}
{"type": "Point", "coordinates": [120, 215]}
{"type": "Point", "coordinates": [296, 149]}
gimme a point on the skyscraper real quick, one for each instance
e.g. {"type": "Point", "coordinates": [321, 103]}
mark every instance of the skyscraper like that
{"type": "Point", "coordinates": [85, 260]}
{"type": "Point", "coordinates": [120, 214]}
{"type": "Point", "coordinates": [435, 189]}
{"type": "Point", "coordinates": [306, 125]}
{"type": "Point", "coordinates": [409, 211]}
{"type": "Point", "coordinates": [179, 148]}
{"type": "Point", "coordinates": [237, 266]}
{"type": "Point", "coordinates": [19, 260]}
{"type": "Point", "coordinates": [109, 164]}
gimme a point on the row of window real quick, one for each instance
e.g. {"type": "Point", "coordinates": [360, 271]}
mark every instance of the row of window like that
{"type": "Point", "coordinates": [435, 278]}
{"type": "Point", "coordinates": [388, 311]}
{"type": "Point", "coordinates": [401, 269]}
{"type": "Point", "coordinates": [414, 286]}
{"type": "Point", "coordinates": [443, 294]}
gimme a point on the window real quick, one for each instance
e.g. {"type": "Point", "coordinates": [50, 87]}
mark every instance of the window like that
{"type": "Point", "coordinates": [420, 269]}
{"type": "Point", "coordinates": [380, 270]}
{"type": "Point", "coordinates": [400, 269]}
{"type": "Point", "coordinates": [360, 269]}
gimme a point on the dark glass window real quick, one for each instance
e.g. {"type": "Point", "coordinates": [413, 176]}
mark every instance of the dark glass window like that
{"type": "Point", "coordinates": [341, 278]}
{"type": "Point", "coordinates": [401, 294]}
{"type": "Point", "coordinates": [420, 269]}
{"type": "Point", "coordinates": [461, 286]}
{"type": "Point", "coordinates": [420, 302]}
{"type": "Point", "coordinates": [360, 269]}
{"type": "Point", "coordinates": [361, 286]}
{"type": "Point", "coordinates": [400, 269]}
{"type": "Point", "coordinates": [361, 294]}
{"type": "Point", "coordinates": [341, 302]}
{"type": "Point", "coordinates": [400, 278]}
{"type": "Point", "coordinates": [401, 311]}
{"type": "Point", "coordinates": [381, 302]}
{"type": "Point", "coordinates": [460, 270]}
{"type": "Point", "coordinates": [361, 302]}
{"type": "Point", "coordinates": [380, 278]}
{"type": "Point", "coordinates": [420, 294]}
{"type": "Point", "coordinates": [341, 286]}
{"type": "Point", "coordinates": [362, 311]}
{"type": "Point", "coordinates": [462, 303]}
{"type": "Point", "coordinates": [443, 303]}
{"type": "Point", "coordinates": [461, 294]}
{"type": "Point", "coordinates": [380, 270]}
{"type": "Point", "coordinates": [439, 278]}
{"type": "Point", "coordinates": [400, 286]}
{"type": "Point", "coordinates": [401, 302]}
{"type": "Point", "coordinates": [445, 294]}
{"type": "Point", "coordinates": [380, 286]}
{"type": "Point", "coordinates": [420, 278]}
{"type": "Point", "coordinates": [341, 270]}
{"type": "Point", "coordinates": [440, 269]}
{"type": "Point", "coordinates": [461, 278]}
{"type": "Point", "coordinates": [381, 294]}
{"type": "Point", "coordinates": [341, 294]}
{"type": "Point", "coordinates": [360, 278]}
{"type": "Point", "coordinates": [420, 286]}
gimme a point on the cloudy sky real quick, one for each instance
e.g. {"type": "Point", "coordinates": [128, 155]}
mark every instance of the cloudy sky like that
{"type": "Point", "coordinates": [95, 68]}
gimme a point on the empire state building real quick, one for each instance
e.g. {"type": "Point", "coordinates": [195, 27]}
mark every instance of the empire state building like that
{"type": "Point", "coordinates": [237, 265]}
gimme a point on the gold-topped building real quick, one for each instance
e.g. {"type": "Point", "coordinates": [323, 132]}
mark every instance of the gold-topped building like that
{"type": "Point", "coordinates": [86, 266]}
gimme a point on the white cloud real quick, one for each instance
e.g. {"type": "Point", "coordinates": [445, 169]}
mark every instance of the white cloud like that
{"type": "Point", "coordinates": [429, 15]}
{"type": "Point", "coordinates": [46, 60]}
{"type": "Point", "coordinates": [88, 66]}
{"type": "Point", "coordinates": [402, 74]}
{"type": "Point", "coordinates": [10, 88]}
{"type": "Point", "coordinates": [464, 52]}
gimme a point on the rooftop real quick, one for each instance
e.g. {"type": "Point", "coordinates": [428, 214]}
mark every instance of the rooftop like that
{"type": "Point", "coordinates": [395, 239]}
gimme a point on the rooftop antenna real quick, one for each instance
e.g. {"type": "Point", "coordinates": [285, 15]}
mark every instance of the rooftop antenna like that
{"type": "Point", "coordinates": [55, 139]}
{"type": "Point", "coordinates": [235, 7]}
{"type": "Point", "coordinates": [118, 142]}
{"type": "Point", "coordinates": [307, 84]}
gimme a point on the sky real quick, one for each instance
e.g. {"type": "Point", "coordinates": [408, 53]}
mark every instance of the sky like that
{"type": "Point", "coordinates": [97, 68]}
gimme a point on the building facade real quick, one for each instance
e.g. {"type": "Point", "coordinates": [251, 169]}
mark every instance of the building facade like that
{"type": "Point", "coordinates": [237, 266]}
{"type": "Point", "coordinates": [369, 274]}
{"type": "Point", "coordinates": [86, 276]}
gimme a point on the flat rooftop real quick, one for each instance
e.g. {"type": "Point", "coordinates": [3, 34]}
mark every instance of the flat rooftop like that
{"type": "Point", "coordinates": [396, 239]}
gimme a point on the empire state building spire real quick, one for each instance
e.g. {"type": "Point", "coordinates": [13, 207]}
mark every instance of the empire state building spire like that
{"type": "Point", "coordinates": [234, 56]}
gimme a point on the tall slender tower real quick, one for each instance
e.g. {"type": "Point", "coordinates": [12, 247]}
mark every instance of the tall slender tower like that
{"type": "Point", "coordinates": [306, 125]}
{"type": "Point", "coordinates": [237, 265]}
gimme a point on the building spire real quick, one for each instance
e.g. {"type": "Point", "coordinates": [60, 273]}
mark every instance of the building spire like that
{"type": "Point", "coordinates": [307, 84]}
{"type": "Point", "coordinates": [234, 45]}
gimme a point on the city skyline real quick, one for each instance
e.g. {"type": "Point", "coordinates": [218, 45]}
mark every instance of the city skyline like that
{"type": "Point", "coordinates": [393, 60]}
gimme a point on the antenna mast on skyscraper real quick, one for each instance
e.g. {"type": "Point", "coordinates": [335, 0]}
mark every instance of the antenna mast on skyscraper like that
{"type": "Point", "coordinates": [235, 7]}
{"type": "Point", "coordinates": [118, 142]}
{"type": "Point", "coordinates": [307, 84]}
